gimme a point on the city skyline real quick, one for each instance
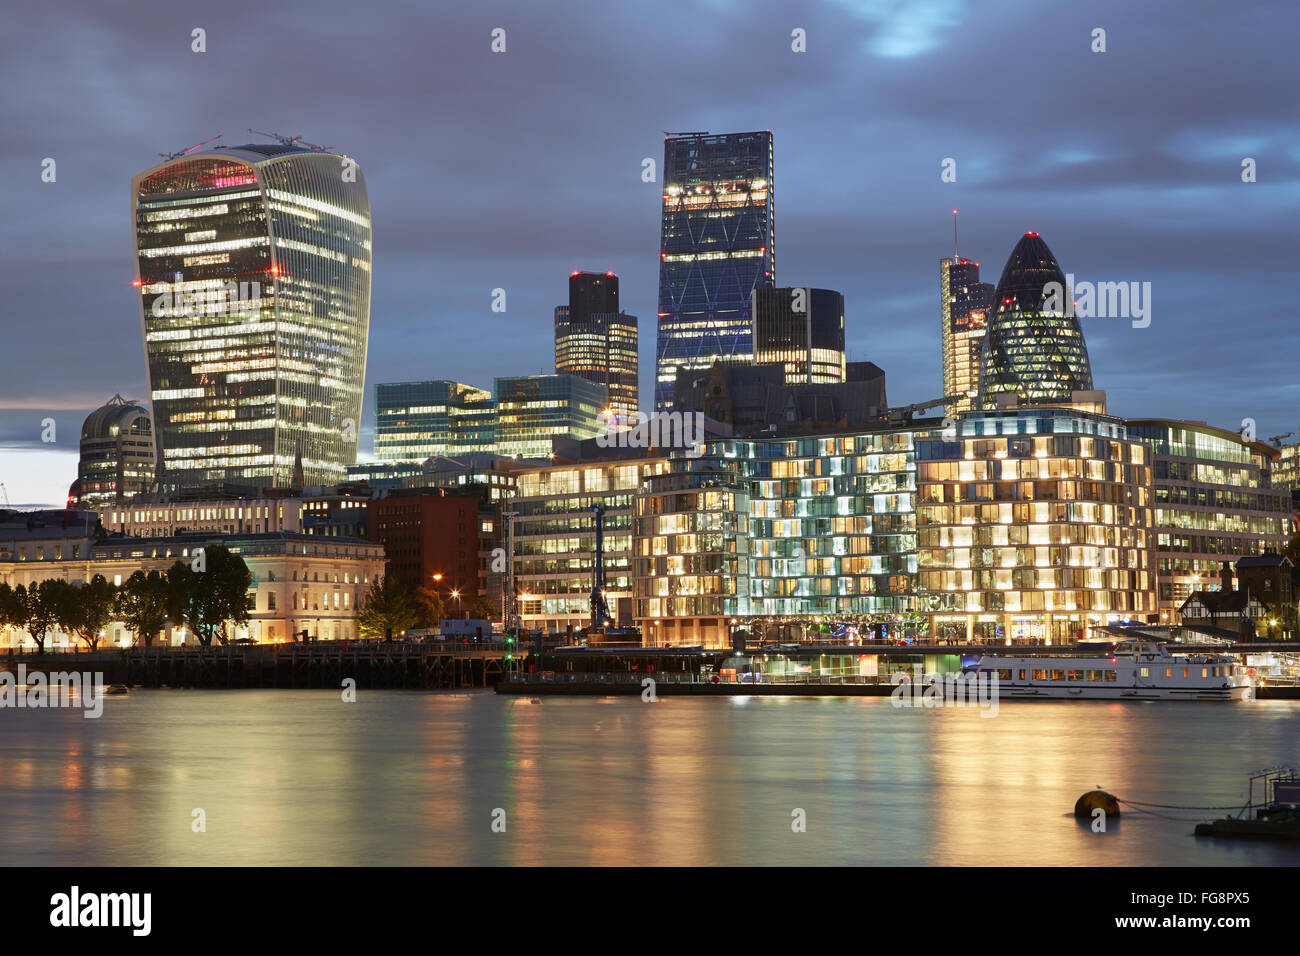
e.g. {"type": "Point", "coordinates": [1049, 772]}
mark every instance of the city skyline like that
{"type": "Point", "coordinates": [1147, 191]}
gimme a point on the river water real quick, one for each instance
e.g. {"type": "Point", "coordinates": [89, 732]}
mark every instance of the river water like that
{"type": "Point", "coordinates": [302, 777]}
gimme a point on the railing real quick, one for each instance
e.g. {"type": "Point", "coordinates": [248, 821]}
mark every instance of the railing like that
{"type": "Point", "coordinates": [361, 644]}
{"type": "Point", "coordinates": [568, 677]}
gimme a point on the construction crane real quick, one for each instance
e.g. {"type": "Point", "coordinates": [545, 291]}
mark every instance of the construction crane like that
{"type": "Point", "coordinates": [177, 155]}
{"type": "Point", "coordinates": [5, 491]}
{"type": "Point", "coordinates": [904, 413]}
{"type": "Point", "coordinates": [1277, 439]}
{"type": "Point", "coordinates": [599, 606]}
{"type": "Point", "coordinates": [292, 141]}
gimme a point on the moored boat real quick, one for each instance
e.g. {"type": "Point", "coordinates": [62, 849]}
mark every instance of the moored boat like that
{"type": "Point", "coordinates": [1134, 670]}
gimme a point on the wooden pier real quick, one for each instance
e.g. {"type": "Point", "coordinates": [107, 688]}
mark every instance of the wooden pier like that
{"type": "Point", "coordinates": [372, 664]}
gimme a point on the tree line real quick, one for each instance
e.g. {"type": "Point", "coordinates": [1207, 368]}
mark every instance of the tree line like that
{"type": "Point", "coordinates": [392, 607]}
{"type": "Point", "coordinates": [204, 596]}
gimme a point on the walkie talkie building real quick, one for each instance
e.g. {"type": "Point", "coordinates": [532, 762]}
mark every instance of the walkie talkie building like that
{"type": "Point", "coordinates": [716, 247]}
{"type": "Point", "coordinates": [254, 283]}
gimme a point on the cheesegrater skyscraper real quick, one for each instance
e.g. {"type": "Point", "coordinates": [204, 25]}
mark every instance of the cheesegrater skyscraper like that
{"type": "Point", "coordinates": [716, 247]}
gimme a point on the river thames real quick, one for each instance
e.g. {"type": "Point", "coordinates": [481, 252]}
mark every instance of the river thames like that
{"type": "Point", "coordinates": [417, 778]}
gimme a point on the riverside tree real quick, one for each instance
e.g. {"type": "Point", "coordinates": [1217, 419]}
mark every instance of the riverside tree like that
{"type": "Point", "coordinates": [33, 614]}
{"type": "Point", "coordinates": [484, 609]}
{"type": "Point", "coordinates": [429, 608]}
{"type": "Point", "coordinates": [142, 605]}
{"type": "Point", "coordinates": [387, 608]}
{"type": "Point", "coordinates": [206, 600]}
{"type": "Point", "coordinates": [89, 609]}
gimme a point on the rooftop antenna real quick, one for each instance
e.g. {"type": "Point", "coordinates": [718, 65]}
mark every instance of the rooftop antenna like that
{"type": "Point", "coordinates": [292, 140]}
{"type": "Point", "coordinates": [180, 153]}
{"type": "Point", "coordinates": [954, 235]}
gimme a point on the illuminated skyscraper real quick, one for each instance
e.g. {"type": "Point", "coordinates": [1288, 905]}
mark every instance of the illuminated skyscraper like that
{"type": "Point", "coordinates": [254, 280]}
{"type": "Point", "coordinates": [964, 302]}
{"type": "Point", "coordinates": [117, 456]}
{"type": "Point", "coordinates": [1033, 348]}
{"type": "Point", "coordinates": [803, 330]}
{"type": "Point", "coordinates": [595, 341]}
{"type": "Point", "coordinates": [716, 247]}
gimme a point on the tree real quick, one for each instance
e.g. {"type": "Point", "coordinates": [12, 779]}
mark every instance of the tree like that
{"type": "Point", "coordinates": [387, 608]}
{"type": "Point", "coordinates": [57, 600]}
{"type": "Point", "coordinates": [90, 609]}
{"type": "Point", "coordinates": [205, 600]}
{"type": "Point", "coordinates": [32, 614]}
{"type": "Point", "coordinates": [142, 605]}
{"type": "Point", "coordinates": [9, 608]}
{"type": "Point", "coordinates": [484, 609]}
{"type": "Point", "coordinates": [1292, 550]}
{"type": "Point", "coordinates": [429, 608]}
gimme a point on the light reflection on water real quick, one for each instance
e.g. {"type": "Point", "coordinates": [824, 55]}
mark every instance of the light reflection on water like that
{"type": "Point", "coordinates": [299, 777]}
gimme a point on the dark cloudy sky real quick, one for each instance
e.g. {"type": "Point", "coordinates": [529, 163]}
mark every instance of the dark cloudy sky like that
{"type": "Point", "coordinates": [510, 170]}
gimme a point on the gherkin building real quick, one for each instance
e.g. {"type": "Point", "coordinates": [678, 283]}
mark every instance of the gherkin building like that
{"type": "Point", "coordinates": [1034, 346]}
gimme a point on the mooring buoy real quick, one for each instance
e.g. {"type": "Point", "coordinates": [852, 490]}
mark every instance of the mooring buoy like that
{"type": "Point", "coordinates": [1094, 800]}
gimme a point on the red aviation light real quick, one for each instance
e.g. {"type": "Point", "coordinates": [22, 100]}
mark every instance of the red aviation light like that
{"type": "Point", "coordinates": [137, 283]}
{"type": "Point", "coordinates": [573, 273]}
{"type": "Point", "coordinates": [1032, 234]}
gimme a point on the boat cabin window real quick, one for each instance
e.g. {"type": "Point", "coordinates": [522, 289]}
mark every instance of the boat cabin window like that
{"type": "Point", "coordinates": [1146, 672]}
{"type": "Point", "coordinates": [1040, 675]}
{"type": "Point", "coordinates": [1111, 674]}
{"type": "Point", "coordinates": [1022, 675]}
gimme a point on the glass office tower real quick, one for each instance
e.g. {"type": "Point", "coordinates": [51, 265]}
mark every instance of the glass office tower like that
{"type": "Point", "coordinates": [531, 409]}
{"type": "Point", "coordinates": [802, 330]}
{"type": "Point", "coordinates": [964, 303]}
{"type": "Point", "coordinates": [1032, 348]}
{"type": "Point", "coordinates": [254, 280]}
{"type": "Point", "coordinates": [595, 341]}
{"type": "Point", "coordinates": [419, 420]}
{"type": "Point", "coordinates": [716, 247]}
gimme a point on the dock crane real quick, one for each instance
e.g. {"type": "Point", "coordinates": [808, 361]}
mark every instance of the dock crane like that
{"type": "Point", "coordinates": [599, 606]}
{"type": "Point", "coordinates": [180, 153]}
{"type": "Point", "coordinates": [292, 141]}
{"type": "Point", "coordinates": [904, 413]}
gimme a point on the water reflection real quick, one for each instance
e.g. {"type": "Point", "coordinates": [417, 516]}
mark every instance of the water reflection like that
{"type": "Point", "coordinates": [298, 777]}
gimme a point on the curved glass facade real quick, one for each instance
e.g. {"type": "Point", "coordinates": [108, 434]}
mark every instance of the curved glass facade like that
{"type": "Point", "coordinates": [117, 455]}
{"type": "Point", "coordinates": [809, 342]}
{"type": "Point", "coordinates": [1032, 347]}
{"type": "Point", "coordinates": [254, 279]}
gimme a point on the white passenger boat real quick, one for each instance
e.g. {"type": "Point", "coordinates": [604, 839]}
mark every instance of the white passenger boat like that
{"type": "Point", "coordinates": [1134, 670]}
